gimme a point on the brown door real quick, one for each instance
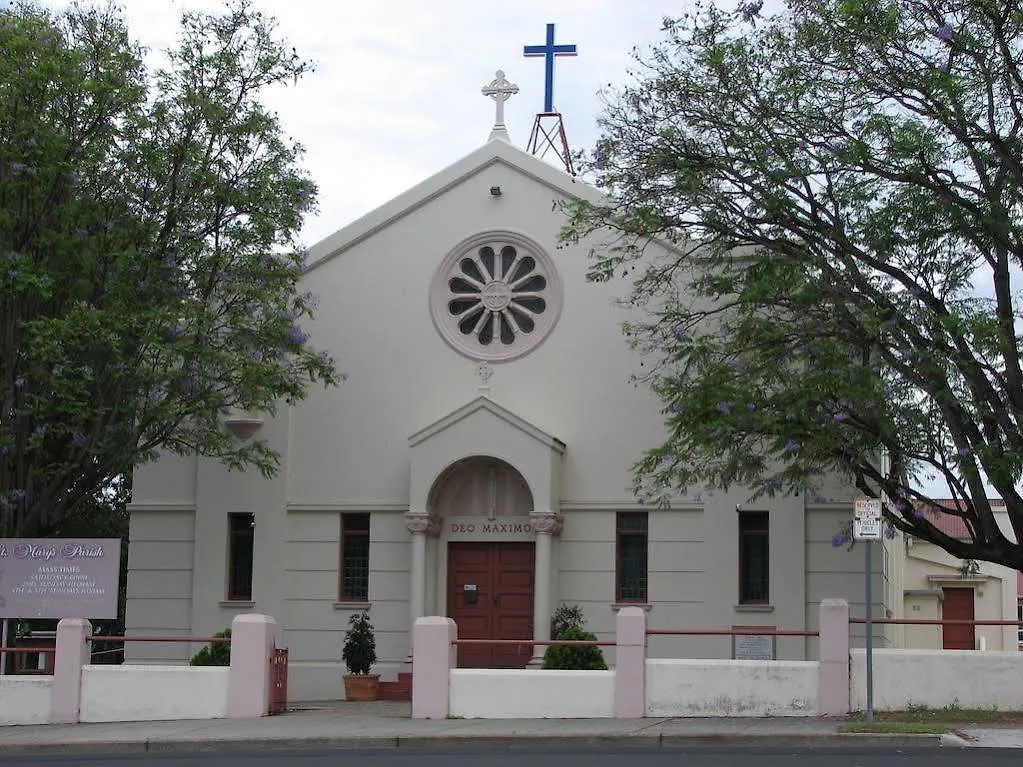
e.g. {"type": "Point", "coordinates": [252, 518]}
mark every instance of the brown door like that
{"type": "Point", "coordinates": [490, 596]}
{"type": "Point", "coordinates": [958, 605]}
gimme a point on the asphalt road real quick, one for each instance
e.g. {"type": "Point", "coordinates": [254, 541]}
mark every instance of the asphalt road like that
{"type": "Point", "coordinates": [722, 756]}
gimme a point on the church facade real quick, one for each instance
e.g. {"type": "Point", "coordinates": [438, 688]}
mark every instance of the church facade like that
{"type": "Point", "coordinates": [476, 463]}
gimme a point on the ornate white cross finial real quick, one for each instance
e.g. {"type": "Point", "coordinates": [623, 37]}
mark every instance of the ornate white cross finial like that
{"type": "Point", "coordinates": [500, 90]}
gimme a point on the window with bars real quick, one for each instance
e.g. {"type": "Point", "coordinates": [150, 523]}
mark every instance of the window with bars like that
{"type": "Point", "coordinates": [354, 557]}
{"type": "Point", "coordinates": [631, 557]}
{"type": "Point", "coordinates": [753, 557]}
{"type": "Point", "coordinates": [240, 537]}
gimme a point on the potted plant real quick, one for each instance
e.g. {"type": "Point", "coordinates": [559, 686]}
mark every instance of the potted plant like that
{"type": "Point", "coordinates": [359, 654]}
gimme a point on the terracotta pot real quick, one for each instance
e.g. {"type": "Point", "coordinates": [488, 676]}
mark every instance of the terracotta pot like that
{"type": "Point", "coordinates": [361, 686]}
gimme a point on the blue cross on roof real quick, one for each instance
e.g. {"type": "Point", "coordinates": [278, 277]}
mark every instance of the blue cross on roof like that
{"type": "Point", "coordinates": [549, 50]}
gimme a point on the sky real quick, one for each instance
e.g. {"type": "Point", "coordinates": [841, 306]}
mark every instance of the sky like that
{"type": "Point", "coordinates": [395, 96]}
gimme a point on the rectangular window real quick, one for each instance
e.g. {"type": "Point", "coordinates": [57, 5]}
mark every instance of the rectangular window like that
{"type": "Point", "coordinates": [754, 562]}
{"type": "Point", "coordinates": [631, 569]}
{"type": "Point", "coordinates": [355, 557]}
{"type": "Point", "coordinates": [1019, 617]}
{"type": "Point", "coordinates": [239, 557]}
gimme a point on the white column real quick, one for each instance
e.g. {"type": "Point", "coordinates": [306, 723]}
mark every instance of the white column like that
{"type": "Point", "coordinates": [419, 524]}
{"type": "Point", "coordinates": [546, 524]}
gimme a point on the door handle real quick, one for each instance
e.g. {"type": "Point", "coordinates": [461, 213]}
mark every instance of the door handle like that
{"type": "Point", "coordinates": [497, 600]}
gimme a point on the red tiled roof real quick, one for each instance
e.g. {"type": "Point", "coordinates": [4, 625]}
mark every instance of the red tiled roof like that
{"type": "Point", "coordinates": [952, 524]}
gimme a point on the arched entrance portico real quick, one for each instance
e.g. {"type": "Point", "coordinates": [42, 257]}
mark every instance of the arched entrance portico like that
{"type": "Point", "coordinates": [484, 487]}
{"type": "Point", "coordinates": [486, 570]}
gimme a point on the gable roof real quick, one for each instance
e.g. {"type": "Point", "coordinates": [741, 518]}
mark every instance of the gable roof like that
{"type": "Point", "coordinates": [487, 405]}
{"type": "Point", "coordinates": [495, 151]}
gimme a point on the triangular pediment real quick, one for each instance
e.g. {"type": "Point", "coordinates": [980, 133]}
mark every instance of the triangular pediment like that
{"type": "Point", "coordinates": [493, 152]}
{"type": "Point", "coordinates": [487, 408]}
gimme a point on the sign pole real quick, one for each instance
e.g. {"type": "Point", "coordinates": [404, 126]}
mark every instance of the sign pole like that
{"type": "Point", "coordinates": [869, 544]}
{"type": "Point", "coordinates": [3, 643]}
{"type": "Point", "coordinates": [867, 513]}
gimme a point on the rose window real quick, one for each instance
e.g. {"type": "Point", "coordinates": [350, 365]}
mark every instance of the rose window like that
{"type": "Point", "coordinates": [496, 296]}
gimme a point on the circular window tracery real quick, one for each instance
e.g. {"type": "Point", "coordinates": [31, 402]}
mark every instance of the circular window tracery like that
{"type": "Point", "coordinates": [496, 296]}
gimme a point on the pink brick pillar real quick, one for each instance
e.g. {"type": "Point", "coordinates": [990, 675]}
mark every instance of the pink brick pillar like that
{"type": "Point", "coordinates": [248, 683]}
{"type": "Point", "coordinates": [833, 695]}
{"type": "Point", "coordinates": [630, 664]}
{"type": "Point", "coordinates": [433, 657]}
{"type": "Point", "coordinates": [72, 654]}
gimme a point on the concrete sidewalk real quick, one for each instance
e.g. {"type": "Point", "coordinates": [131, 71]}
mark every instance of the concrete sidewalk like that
{"type": "Point", "coordinates": [384, 724]}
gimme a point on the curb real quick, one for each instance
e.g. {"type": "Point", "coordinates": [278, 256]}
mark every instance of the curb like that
{"type": "Point", "coordinates": [639, 741]}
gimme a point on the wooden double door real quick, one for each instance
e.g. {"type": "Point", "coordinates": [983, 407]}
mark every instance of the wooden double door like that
{"type": "Point", "coordinates": [490, 596]}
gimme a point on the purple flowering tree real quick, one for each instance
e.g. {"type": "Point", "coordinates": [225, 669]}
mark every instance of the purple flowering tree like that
{"type": "Point", "coordinates": [149, 259]}
{"type": "Point", "coordinates": [841, 188]}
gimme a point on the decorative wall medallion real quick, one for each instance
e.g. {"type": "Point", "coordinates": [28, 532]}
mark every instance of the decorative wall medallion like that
{"type": "Point", "coordinates": [496, 296]}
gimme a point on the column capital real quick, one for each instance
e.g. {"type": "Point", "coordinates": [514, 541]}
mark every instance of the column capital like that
{"type": "Point", "coordinates": [546, 522]}
{"type": "Point", "coordinates": [422, 523]}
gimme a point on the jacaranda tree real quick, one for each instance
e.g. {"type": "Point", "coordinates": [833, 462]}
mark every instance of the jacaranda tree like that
{"type": "Point", "coordinates": [148, 234]}
{"type": "Point", "coordinates": [841, 188]}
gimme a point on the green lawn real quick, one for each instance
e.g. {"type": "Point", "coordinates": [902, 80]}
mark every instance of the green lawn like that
{"type": "Point", "coordinates": [900, 728]}
{"type": "Point", "coordinates": [925, 720]}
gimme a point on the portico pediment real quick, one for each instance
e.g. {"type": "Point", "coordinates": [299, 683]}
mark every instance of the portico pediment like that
{"type": "Point", "coordinates": [484, 428]}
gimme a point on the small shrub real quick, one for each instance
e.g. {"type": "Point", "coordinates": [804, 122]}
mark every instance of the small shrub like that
{"type": "Point", "coordinates": [567, 617]}
{"type": "Point", "coordinates": [215, 653]}
{"type": "Point", "coordinates": [569, 624]}
{"type": "Point", "coordinates": [575, 658]}
{"type": "Point", "coordinates": [359, 651]}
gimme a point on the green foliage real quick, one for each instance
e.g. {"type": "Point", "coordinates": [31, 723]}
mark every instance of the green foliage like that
{"type": "Point", "coordinates": [839, 189]}
{"type": "Point", "coordinates": [568, 623]}
{"type": "Point", "coordinates": [360, 650]}
{"type": "Point", "coordinates": [148, 231]}
{"type": "Point", "coordinates": [215, 653]}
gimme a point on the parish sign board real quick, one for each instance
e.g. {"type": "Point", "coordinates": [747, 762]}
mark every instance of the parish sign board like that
{"type": "Point", "coordinates": [867, 519]}
{"type": "Point", "coordinates": [59, 577]}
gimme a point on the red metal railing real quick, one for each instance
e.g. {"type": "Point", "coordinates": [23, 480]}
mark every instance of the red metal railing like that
{"type": "Point", "coordinates": [532, 642]}
{"type": "Point", "coordinates": [17, 650]}
{"type": "Point", "coordinates": [188, 640]}
{"type": "Point", "coordinates": [937, 622]}
{"type": "Point", "coordinates": [743, 632]}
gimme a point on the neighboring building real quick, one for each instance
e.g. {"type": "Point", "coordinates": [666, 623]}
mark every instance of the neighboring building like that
{"type": "Point", "coordinates": [937, 585]}
{"type": "Point", "coordinates": [476, 464]}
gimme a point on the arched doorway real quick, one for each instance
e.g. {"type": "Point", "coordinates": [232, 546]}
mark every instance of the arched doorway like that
{"type": "Point", "coordinates": [483, 505]}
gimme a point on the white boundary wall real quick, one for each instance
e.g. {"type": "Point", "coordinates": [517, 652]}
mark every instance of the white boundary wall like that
{"type": "Point", "coordinates": [731, 688]}
{"type": "Point", "coordinates": [938, 678]}
{"type": "Point", "coordinates": [147, 693]}
{"type": "Point", "coordinates": [25, 699]}
{"type": "Point", "coordinates": [531, 694]}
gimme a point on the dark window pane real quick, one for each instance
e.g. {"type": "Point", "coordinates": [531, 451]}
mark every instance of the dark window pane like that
{"type": "Point", "coordinates": [754, 557]}
{"type": "Point", "coordinates": [240, 551]}
{"type": "Point", "coordinates": [354, 557]}
{"type": "Point", "coordinates": [507, 259]}
{"type": "Point", "coordinates": [632, 557]}
{"type": "Point", "coordinates": [636, 521]}
{"type": "Point", "coordinates": [756, 569]}
{"type": "Point", "coordinates": [356, 522]}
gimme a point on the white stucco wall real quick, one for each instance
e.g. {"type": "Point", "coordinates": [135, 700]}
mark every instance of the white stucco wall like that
{"type": "Point", "coordinates": [150, 693]}
{"type": "Point", "coordinates": [522, 694]}
{"type": "Point", "coordinates": [731, 688]}
{"type": "Point", "coordinates": [160, 568]}
{"type": "Point", "coordinates": [314, 618]}
{"type": "Point", "coordinates": [25, 699]}
{"type": "Point", "coordinates": [938, 678]}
